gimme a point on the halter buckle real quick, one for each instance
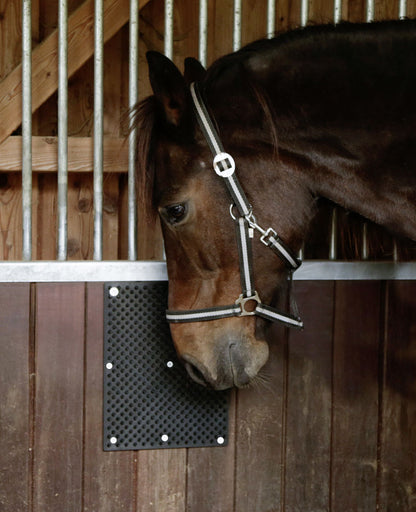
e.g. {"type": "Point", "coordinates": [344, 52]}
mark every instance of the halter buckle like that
{"type": "Point", "coordinates": [267, 234]}
{"type": "Point", "coordinates": [242, 301]}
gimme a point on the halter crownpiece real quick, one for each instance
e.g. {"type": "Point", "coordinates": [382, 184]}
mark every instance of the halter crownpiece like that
{"type": "Point", "coordinates": [248, 303]}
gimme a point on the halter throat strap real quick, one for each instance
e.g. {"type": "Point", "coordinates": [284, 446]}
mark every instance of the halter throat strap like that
{"type": "Point", "coordinates": [248, 303]}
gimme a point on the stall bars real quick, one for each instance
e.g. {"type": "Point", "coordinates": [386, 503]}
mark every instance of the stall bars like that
{"type": "Point", "coordinates": [62, 270]}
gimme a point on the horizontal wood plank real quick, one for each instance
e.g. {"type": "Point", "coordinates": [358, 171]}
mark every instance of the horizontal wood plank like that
{"type": "Point", "coordinates": [80, 154]}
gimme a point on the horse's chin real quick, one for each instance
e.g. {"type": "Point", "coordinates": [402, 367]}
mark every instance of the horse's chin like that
{"type": "Point", "coordinates": [222, 360]}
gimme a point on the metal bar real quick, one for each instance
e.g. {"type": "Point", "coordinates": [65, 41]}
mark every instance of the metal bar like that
{"type": "Point", "coordinates": [105, 271]}
{"type": "Point", "coordinates": [271, 18]}
{"type": "Point", "coordinates": [370, 11]}
{"type": "Point", "coordinates": [169, 28]}
{"type": "Point", "coordinates": [237, 26]}
{"type": "Point", "coordinates": [402, 9]}
{"type": "Point", "coordinates": [62, 247]}
{"type": "Point", "coordinates": [27, 130]}
{"type": "Point", "coordinates": [203, 32]}
{"type": "Point", "coordinates": [304, 13]}
{"type": "Point", "coordinates": [98, 129]}
{"type": "Point", "coordinates": [333, 237]}
{"type": "Point", "coordinates": [133, 99]}
{"type": "Point", "coordinates": [337, 11]}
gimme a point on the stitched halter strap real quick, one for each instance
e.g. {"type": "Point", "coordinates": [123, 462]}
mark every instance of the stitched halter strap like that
{"type": "Point", "coordinates": [248, 303]}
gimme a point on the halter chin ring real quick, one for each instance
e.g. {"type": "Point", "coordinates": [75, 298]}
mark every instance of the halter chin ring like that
{"type": "Point", "coordinates": [227, 163]}
{"type": "Point", "coordinates": [242, 301]}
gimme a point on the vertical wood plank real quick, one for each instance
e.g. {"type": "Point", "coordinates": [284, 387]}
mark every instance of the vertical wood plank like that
{"type": "Point", "coordinates": [309, 382]}
{"type": "Point", "coordinates": [397, 478]}
{"type": "Point", "coordinates": [161, 481]}
{"type": "Point", "coordinates": [59, 397]}
{"type": "Point", "coordinates": [14, 396]}
{"type": "Point", "coordinates": [210, 482]}
{"type": "Point", "coordinates": [259, 432]}
{"type": "Point", "coordinates": [355, 395]}
{"type": "Point", "coordinates": [108, 476]}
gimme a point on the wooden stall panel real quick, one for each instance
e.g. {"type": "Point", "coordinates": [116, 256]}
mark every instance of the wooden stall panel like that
{"type": "Point", "coordinates": [309, 398]}
{"type": "Point", "coordinates": [260, 433]}
{"type": "Point", "coordinates": [354, 466]}
{"type": "Point", "coordinates": [215, 467]}
{"type": "Point", "coordinates": [397, 478]}
{"type": "Point", "coordinates": [14, 397]}
{"type": "Point", "coordinates": [58, 440]}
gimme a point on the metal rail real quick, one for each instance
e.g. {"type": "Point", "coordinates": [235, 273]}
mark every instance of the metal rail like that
{"type": "Point", "coordinates": [106, 271]}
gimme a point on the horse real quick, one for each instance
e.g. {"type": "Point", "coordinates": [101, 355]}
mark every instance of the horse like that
{"type": "Point", "coordinates": [317, 112]}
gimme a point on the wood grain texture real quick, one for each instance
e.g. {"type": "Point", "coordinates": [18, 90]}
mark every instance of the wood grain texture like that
{"type": "Point", "coordinates": [260, 435]}
{"type": "Point", "coordinates": [355, 394]}
{"type": "Point", "coordinates": [215, 467]}
{"type": "Point", "coordinates": [397, 473]}
{"type": "Point", "coordinates": [14, 396]}
{"type": "Point", "coordinates": [309, 401]}
{"type": "Point", "coordinates": [44, 59]}
{"type": "Point", "coordinates": [58, 437]}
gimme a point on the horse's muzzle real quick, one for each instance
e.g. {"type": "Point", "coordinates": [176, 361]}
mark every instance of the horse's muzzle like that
{"type": "Point", "coordinates": [236, 364]}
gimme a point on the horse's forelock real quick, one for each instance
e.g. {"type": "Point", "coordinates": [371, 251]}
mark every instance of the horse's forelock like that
{"type": "Point", "coordinates": [143, 118]}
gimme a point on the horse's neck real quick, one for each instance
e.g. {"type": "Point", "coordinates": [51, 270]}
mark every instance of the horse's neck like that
{"type": "Point", "coordinates": [385, 194]}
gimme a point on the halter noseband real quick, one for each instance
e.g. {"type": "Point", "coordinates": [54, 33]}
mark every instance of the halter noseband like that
{"type": "Point", "coordinates": [246, 224]}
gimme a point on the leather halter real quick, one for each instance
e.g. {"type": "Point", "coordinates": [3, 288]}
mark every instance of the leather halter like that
{"type": "Point", "coordinates": [246, 224]}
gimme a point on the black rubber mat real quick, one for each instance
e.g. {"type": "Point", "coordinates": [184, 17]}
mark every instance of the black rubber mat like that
{"type": "Point", "coordinates": [149, 400]}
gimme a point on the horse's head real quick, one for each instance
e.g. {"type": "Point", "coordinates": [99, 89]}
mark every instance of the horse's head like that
{"type": "Point", "coordinates": [199, 233]}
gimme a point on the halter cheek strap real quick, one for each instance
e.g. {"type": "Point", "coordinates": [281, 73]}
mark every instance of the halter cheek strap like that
{"type": "Point", "coordinates": [248, 303]}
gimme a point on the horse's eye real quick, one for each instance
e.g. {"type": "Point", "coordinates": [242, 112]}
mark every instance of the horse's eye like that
{"type": "Point", "coordinates": [175, 213]}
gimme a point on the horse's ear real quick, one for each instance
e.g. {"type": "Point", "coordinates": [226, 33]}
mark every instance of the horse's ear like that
{"type": "Point", "coordinates": [194, 71]}
{"type": "Point", "coordinates": [169, 87]}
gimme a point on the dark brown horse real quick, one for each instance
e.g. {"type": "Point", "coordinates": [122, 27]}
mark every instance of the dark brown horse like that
{"type": "Point", "coordinates": [319, 112]}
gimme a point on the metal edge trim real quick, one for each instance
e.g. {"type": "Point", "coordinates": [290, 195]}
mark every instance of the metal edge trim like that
{"type": "Point", "coordinates": [106, 271]}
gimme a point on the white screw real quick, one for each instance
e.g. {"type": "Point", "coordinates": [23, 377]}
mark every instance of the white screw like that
{"type": "Point", "coordinates": [113, 440]}
{"type": "Point", "coordinates": [169, 364]}
{"type": "Point", "coordinates": [220, 440]}
{"type": "Point", "coordinates": [109, 366]}
{"type": "Point", "coordinates": [164, 438]}
{"type": "Point", "coordinates": [114, 291]}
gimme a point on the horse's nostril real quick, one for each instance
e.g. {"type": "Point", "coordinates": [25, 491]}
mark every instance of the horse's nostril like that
{"type": "Point", "coordinates": [196, 374]}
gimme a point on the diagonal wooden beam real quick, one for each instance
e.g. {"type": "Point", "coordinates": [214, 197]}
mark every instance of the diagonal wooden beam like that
{"type": "Point", "coordinates": [45, 60]}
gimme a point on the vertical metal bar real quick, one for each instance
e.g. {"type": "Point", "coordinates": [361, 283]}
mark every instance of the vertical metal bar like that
{"type": "Point", "coordinates": [237, 25]}
{"type": "Point", "coordinates": [203, 32]}
{"type": "Point", "coordinates": [271, 18]}
{"type": "Point", "coordinates": [133, 98]}
{"type": "Point", "coordinates": [98, 129]}
{"type": "Point", "coordinates": [364, 245]}
{"type": "Point", "coordinates": [169, 28]}
{"type": "Point", "coordinates": [304, 13]}
{"type": "Point", "coordinates": [62, 248]}
{"type": "Point", "coordinates": [27, 129]}
{"type": "Point", "coordinates": [402, 9]}
{"type": "Point", "coordinates": [334, 232]}
{"type": "Point", "coordinates": [370, 11]}
{"type": "Point", "coordinates": [337, 11]}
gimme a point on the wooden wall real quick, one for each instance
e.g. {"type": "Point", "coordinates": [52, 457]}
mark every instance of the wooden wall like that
{"type": "Point", "coordinates": [80, 197]}
{"type": "Point", "coordinates": [333, 430]}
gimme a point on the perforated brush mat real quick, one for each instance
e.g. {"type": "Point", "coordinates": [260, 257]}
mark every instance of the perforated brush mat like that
{"type": "Point", "coordinates": [149, 400]}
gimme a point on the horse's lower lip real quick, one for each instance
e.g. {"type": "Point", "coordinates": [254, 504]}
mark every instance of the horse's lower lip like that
{"type": "Point", "coordinates": [195, 374]}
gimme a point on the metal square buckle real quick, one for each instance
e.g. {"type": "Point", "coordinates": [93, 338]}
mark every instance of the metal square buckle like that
{"type": "Point", "coordinates": [268, 234]}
